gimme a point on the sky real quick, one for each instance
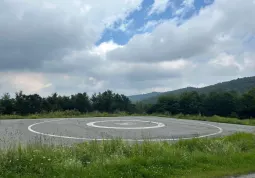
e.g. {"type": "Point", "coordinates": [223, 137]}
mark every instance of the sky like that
{"type": "Point", "coordinates": [127, 46]}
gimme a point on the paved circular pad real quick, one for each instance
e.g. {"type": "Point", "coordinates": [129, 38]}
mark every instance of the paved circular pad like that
{"type": "Point", "coordinates": [125, 124]}
{"type": "Point", "coordinates": [130, 129]}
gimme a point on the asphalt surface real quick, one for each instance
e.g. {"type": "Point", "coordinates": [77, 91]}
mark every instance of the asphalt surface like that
{"type": "Point", "coordinates": [245, 176]}
{"type": "Point", "coordinates": [73, 130]}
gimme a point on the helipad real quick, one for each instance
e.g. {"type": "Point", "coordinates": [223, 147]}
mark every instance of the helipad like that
{"type": "Point", "coordinates": [130, 129]}
{"type": "Point", "coordinates": [70, 130]}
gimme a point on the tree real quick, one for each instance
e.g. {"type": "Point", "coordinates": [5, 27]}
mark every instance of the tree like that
{"type": "Point", "coordinates": [52, 103]}
{"type": "Point", "coordinates": [21, 104]}
{"type": "Point", "coordinates": [247, 108]}
{"type": "Point", "coordinates": [111, 102]}
{"type": "Point", "coordinates": [190, 103]}
{"type": "Point", "coordinates": [34, 103]}
{"type": "Point", "coordinates": [220, 103]}
{"type": "Point", "coordinates": [7, 104]}
{"type": "Point", "coordinates": [81, 102]}
{"type": "Point", "coordinates": [169, 103]}
{"type": "Point", "coordinates": [141, 107]}
{"type": "Point", "coordinates": [65, 103]}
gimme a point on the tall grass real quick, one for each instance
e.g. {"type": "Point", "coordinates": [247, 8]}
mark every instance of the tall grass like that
{"type": "Point", "coordinates": [231, 155]}
{"type": "Point", "coordinates": [77, 114]}
{"type": "Point", "coordinates": [65, 114]}
{"type": "Point", "coordinates": [215, 118]}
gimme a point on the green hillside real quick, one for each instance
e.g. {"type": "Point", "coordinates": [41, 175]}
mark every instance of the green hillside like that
{"type": "Point", "coordinates": [240, 85]}
{"type": "Point", "coordinates": [135, 98]}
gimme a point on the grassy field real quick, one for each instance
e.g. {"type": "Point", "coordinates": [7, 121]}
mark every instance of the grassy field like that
{"type": "Point", "coordinates": [212, 119]}
{"type": "Point", "coordinates": [63, 114]}
{"type": "Point", "coordinates": [76, 114]}
{"type": "Point", "coordinates": [218, 157]}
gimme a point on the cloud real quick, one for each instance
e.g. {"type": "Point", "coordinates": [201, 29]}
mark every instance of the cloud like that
{"type": "Point", "coordinates": [34, 32]}
{"type": "Point", "coordinates": [159, 6]}
{"type": "Point", "coordinates": [50, 47]}
{"type": "Point", "coordinates": [104, 48]}
{"type": "Point", "coordinates": [185, 7]}
{"type": "Point", "coordinates": [23, 81]}
{"type": "Point", "coordinates": [225, 64]}
{"type": "Point", "coordinates": [70, 84]}
{"type": "Point", "coordinates": [206, 33]}
{"type": "Point", "coordinates": [123, 26]}
{"type": "Point", "coordinates": [145, 71]}
{"type": "Point", "coordinates": [150, 25]}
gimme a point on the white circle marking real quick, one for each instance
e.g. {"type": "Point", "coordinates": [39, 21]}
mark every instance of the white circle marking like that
{"type": "Point", "coordinates": [125, 123]}
{"type": "Point", "coordinates": [220, 130]}
{"type": "Point", "coordinates": [158, 124]}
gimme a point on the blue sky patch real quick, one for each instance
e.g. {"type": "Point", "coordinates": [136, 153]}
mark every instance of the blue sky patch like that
{"type": "Point", "coordinates": [121, 31]}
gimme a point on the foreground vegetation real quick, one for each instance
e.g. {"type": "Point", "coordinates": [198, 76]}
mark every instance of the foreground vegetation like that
{"type": "Point", "coordinates": [229, 120]}
{"type": "Point", "coordinates": [240, 85]}
{"type": "Point", "coordinates": [226, 104]}
{"type": "Point", "coordinates": [218, 157]}
{"type": "Point", "coordinates": [77, 114]}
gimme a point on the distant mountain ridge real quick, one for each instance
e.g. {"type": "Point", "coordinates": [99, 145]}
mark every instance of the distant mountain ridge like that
{"type": "Point", "coordinates": [135, 98]}
{"type": "Point", "coordinates": [240, 85]}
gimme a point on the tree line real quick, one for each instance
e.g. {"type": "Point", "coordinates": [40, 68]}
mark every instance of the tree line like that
{"type": "Point", "coordinates": [23, 104]}
{"type": "Point", "coordinates": [227, 104]}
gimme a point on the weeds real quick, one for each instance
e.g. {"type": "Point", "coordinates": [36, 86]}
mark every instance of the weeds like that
{"type": "Point", "coordinates": [65, 114]}
{"type": "Point", "coordinates": [77, 114]}
{"type": "Point", "coordinates": [211, 119]}
{"type": "Point", "coordinates": [215, 157]}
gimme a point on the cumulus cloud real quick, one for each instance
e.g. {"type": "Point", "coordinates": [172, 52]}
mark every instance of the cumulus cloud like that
{"type": "Point", "coordinates": [199, 35]}
{"type": "Point", "coordinates": [150, 25]}
{"type": "Point", "coordinates": [159, 6]}
{"type": "Point", "coordinates": [24, 81]}
{"type": "Point", "coordinates": [34, 32]}
{"type": "Point", "coordinates": [225, 64]}
{"type": "Point", "coordinates": [54, 42]}
{"type": "Point", "coordinates": [185, 7]}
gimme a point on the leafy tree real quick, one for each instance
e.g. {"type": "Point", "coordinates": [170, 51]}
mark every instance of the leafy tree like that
{"type": "Point", "coordinates": [141, 107]}
{"type": "Point", "coordinates": [215, 103]}
{"type": "Point", "coordinates": [7, 104]}
{"type": "Point", "coordinates": [111, 102]}
{"type": "Point", "coordinates": [21, 103]}
{"type": "Point", "coordinates": [220, 103]}
{"type": "Point", "coordinates": [170, 103]}
{"type": "Point", "coordinates": [190, 103]}
{"type": "Point", "coordinates": [155, 108]}
{"type": "Point", "coordinates": [81, 102]}
{"type": "Point", "coordinates": [34, 103]}
{"type": "Point", "coordinates": [247, 108]}
{"type": "Point", "coordinates": [52, 103]}
{"type": "Point", "coordinates": [64, 102]}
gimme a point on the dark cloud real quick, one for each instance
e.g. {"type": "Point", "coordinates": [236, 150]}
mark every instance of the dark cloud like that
{"type": "Point", "coordinates": [35, 35]}
{"type": "Point", "coordinates": [57, 39]}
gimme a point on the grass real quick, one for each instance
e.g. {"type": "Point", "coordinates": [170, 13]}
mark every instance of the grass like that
{"type": "Point", "coordinates": [215, 118]}
{"type": "Point", "coordinates": [76, 114]}
{"type": "Point", "coordinates": [217, 157]}
{"type": "Point", "coordinates": [65, 114]}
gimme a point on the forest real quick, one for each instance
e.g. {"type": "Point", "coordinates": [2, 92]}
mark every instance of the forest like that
{"type": "Point", "coordinates": [226, 104]}
{"type": "Point", "coordinates": [240, 85]}
{"type": "Point", "coordinates": [23, 104]}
